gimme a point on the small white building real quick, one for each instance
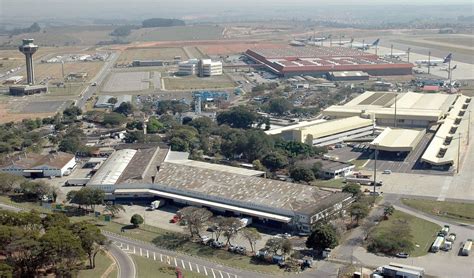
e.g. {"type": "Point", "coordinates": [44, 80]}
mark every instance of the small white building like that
{"type": "Point", "coordinates": [189, 67]}
{"type": "Point", "coordinates": [210, 68]}
{"type": "Point", "coordinates": [34, 165]}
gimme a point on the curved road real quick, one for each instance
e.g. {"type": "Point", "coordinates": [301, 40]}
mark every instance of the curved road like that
{"type": "Point", "coordinates": [125, 264]}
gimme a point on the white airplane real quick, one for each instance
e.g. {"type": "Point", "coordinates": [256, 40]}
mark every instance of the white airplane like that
{"type": "Point", "coordinates": [297, 43]}
{"type": "Point", "coordinates": [434, 62]}
{"type": "Point", "coordinates": [365, 46]}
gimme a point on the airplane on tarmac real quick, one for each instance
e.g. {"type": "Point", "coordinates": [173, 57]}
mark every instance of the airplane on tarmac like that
{"type": "Point", "coordinates": [395, 55]}
{"type": "Point", "coordinates": [365, 46]}
{"type": "Point", "coordinates": [434, 62]}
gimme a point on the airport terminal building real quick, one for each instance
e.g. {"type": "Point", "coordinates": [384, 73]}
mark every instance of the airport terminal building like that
{"type": "Point", "coordinates": [318, 61]}
{"type": "Point", "coordinates": [153, 173]}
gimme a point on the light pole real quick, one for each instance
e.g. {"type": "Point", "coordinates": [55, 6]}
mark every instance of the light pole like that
{"type": "Point", "coordinates": [375, 166]}
{"type": "Point", "coordinates": [429, 61]}
{"type": "Point", "coordinates": [459, 152]}
{"type": "Point", "coordinates": [395, 115]}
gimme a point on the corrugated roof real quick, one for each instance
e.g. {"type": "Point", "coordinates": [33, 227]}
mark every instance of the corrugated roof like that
{"type": "Point", "coordinates": [55, 160]}
{"type": "Point", "coordinates": [113, 167]}
{"type": "Point", "coordinates": [398, 140]}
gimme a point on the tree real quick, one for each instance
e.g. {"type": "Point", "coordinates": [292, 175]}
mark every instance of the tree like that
{"type": "Point", "coordinates": [86, 196]}
{"type": "Point", "coordinates": [251, 235]}
{"type": "Point", "coordinates": [136, 220]}
{"type": "Point", "coordinates": [112, 100]}
{"type": "Point", "coordinates": [238, 117]}
{"type": "Point", "coordinates": [162, 22]}
{"type": "Point", "coordinates": [72, 112]}
{"type": "Point", "coordinates": [154, 126]}
{"type": "Point", "coordinates": [114, 209]}
{"type": "Point", "coordinates": [195, 219]}
{"type": "Point", "coordinates": [323, 236]}
{"type": "Point", "coordinates": [274, 244]}
{"type": "Point", "coordinates": [55, 220]}
{"type": "Point", "coordinates": [9, 182]}
{"type": "Point", "coordinates": [122, 31]}
{"type": "Point", "coordinates": [92, 240]}
{"type": "Point", "coordinates": [202, 124]}
{"type": "Point", "coordinates": [62, 250]}
{"type": "Point", "coordinates": [275, 160]}
{"type": "Point", "coordinates": [388, 211]}
{"type": "Point", "coordinates": [352, 188]}
{"type": "Point", "coordinates": [301, 173]}
{"type": "Point", "coordinates": [179, 145]}
{"type": "Point", "coordinates": [396, 238]}
{"type": "Point", "coordinates": [358, 210]}
{"type": "Point", "coordinates": [113, 119]}
{"type": "Point", "coordinates": [279, 106]}
{"type": "Point", "coordinates": [125, 108]}
{"type": "Point", "coordinates": [230, 228]}
{"type": "Point", "coordinates": [134, 136]}
{"type": "Point", "coordinates": [25, 255]}
{"type": "Point", "coordinates": [174, 106]}
{"type": "Point", "coordinates": [286, 246]}
{"type": "Point", "coordinates": [70, 144]}
{"type": "Point", "coordinates": [6, 271]}
{"type": "Point", "coordinates": [34, 190]}
{"type": "Point", "coordinates": [256, 144]}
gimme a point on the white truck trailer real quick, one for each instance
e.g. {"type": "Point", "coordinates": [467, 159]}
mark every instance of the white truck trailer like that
{"type": "Point", "coordinates": [437, 244]}
{"type": "Point", "coordinates": [466, 248]}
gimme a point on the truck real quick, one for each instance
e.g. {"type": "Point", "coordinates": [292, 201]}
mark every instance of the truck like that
{"type": "Point", "coordinates": [395, 271]}
{"type": "Point", "coordinates": [466, 248]}
{"type": "Point", "coordinates": [157, 204]}
{"type": "Point", "coordinates": [245, 222]}
{"type": "Point", "coordinates": [437, 244]}
{"type": "Point", "coordinates": [77, 182]}
{"type": "Point", "coordinates": [445, 230]}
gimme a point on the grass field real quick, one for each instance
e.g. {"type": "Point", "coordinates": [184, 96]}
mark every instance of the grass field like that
{"type": "Point", "coordinates": [148, 268]}
{"type": "Point", "coordinates": [102, 263]}
{"type": "Point", "coordinates": [197, 83]}
{"type": "Point", "coordinates": [193, 52]}
{"type": "Point", "coordinates": [333, 183]}
{"type": "Point", "coordinates": [428, 44]}
{"type": "Point", "coordinates": [177, 242]}
{"type": "Point", "coordinates": [423, 232]}
{"type": "Point", "coordinates": [462, 212]}
{"type": "Point", "coordinates": [72, 89]}
{"type": "Point", "coordinates": [54, 70]}
{"type": "Point", "coordinates": [359, 163]}
{"type": "Point", "coordinates": [152, 53]}
{"type": "Point", "coordinates": [177, 33]}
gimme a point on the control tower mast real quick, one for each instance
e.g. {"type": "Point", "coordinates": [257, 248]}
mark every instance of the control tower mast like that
{"type": "Point", "coordinates": [29, 48]}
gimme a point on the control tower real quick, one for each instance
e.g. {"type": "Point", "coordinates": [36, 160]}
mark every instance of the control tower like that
{"type": "Point", "coordinates": [29, 48]}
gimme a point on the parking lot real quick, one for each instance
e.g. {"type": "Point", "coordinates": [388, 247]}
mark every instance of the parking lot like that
{"type": "Point", "coordinates": [410, 163]}
{"type": "Point", "coordinates": [127, 81]}
{"type": "Point", "coordinates": [161, 218]}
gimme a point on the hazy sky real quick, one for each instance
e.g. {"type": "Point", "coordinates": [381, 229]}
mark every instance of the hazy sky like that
{"type": "Point", "coordinates": [12, 10]}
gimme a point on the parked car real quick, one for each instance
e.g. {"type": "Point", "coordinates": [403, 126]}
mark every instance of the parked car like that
{"type": "Point", "coordinates": [402, 255]}
{"type": "Point", "coordinates": [451, 237]}
{"type": "Point", "coordinates": [205, 239]}
{"type": "Point", "coordinates": [217, 244]}
{"type": "Point", "coordinates": [388, 172]}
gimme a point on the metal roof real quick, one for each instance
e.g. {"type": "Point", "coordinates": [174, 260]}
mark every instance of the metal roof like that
{"type": "Point", "coordinates": [398, 140]}
{"type": "Point", "coordinates": [113, 167]}
{"type": "Point", "coordinates": [442, 149]}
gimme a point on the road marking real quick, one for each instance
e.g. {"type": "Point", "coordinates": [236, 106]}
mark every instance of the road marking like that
{"type": "Point", "coordinates": [168, 260]}
{"type": "Point", "coordinates": [147, 255]}
{"type": "Point", "coordinates": [175, 262]}
{"type": "Point", "coordinates": [205, 270]}
{"type": "Point", "coordinates": [161, 257]}
{"type": "Point", "coordinates": [222, 276]}
{"type": "Point", "coordinates": [133, 249]}
{"type": "Point", "coordinates": [190, 267]}
{"type": "Point", "coordinates": [141, 252]}
{"type": "Point", "coordinates": [182, 263]}
{"type": "Point", "coordinates": [213, 274]}
{"type": "Point", "coordinates": [197, 269]}
{"type": "Point", "coordinates": [154, 256]}
{"type": "Point", "coordinates": [228, 274]}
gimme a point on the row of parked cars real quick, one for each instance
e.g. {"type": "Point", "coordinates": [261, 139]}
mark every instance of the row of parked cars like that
{"type": "Point", "coordinates": [444, 240]}
{"type": "Point", "coordinates": [219, 244]}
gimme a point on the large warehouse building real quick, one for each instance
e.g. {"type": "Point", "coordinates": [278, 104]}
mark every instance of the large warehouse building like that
{"type": "Point", "coordinates": [158, 173]}
{"type": "Point", "coordinates": [412, 109]}
{"type": "Point", "coordinates": [318, 61]}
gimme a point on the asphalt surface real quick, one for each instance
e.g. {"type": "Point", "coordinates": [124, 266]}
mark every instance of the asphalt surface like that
{"type": "Point", "coordinates": [99, 79]}
{"type": "Point", "coordinates": [125, 264]}
{"type": "Point", "coordinates": [205, 267]}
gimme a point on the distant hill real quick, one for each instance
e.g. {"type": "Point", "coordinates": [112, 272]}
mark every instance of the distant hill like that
{"type": "Point", "coordinates": [162, 22]}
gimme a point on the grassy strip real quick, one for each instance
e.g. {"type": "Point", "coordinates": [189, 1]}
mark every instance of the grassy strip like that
{"type": "Point", "coordinates": [423, 232]}
{"type": "Point", "coordinates": [332, 183]}
{"type": "Point", "coordinates": [102, 263]}
{"type": "Point", "coordinates": [462, 212]}
{"type": "Point", "coordinates": [179, 242]}
{"type": "Point", "coordinates": [148, 268]}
